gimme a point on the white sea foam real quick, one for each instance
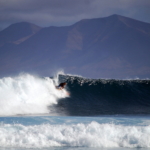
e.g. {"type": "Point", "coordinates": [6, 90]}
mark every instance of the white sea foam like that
{"type": "Point", "coordinates": [87, 135]}
{"type": "Point", "coordinates": [27, 94]}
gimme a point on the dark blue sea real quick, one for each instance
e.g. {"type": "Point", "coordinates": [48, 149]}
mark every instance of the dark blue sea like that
{"type": "Point", "coordinates": [89, 114]}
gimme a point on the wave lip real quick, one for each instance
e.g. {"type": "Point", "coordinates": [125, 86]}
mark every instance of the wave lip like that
{"type": "Point", "coordinates": [83, 135]}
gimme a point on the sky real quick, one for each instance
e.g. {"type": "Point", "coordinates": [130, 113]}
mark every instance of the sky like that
{"type": "Point", "coordinates": [66, 12]}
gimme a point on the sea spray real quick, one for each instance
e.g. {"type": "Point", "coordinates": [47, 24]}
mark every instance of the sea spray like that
{"type": "Point", "coordinates": [27, 94]}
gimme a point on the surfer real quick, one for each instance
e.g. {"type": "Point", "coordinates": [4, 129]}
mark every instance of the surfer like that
{"type": "Point", "coordinates": [61, 86]}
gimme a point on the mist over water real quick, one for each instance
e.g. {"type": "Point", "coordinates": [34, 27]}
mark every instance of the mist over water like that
{"type": "Point", "coordinates": [28, 94]}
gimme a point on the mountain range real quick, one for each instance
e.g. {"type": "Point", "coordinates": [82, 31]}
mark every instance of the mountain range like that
{"type": "Point", "coordinates": [109, 47]}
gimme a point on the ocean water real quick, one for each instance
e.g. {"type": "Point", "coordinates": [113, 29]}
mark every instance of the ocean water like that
{"type": "Point", "coordinates": [97, 114]}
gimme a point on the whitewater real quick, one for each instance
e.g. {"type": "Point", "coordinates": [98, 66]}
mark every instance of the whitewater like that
{"type": "Point", "coordinates": [98, 113]}
{"type": "Point", "coordinates": [28, 94]}
{"type": "Point", "coordinates": [41, 132]}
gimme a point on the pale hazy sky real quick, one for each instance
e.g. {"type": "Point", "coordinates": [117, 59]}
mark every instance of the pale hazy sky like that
{"type": "Point", "coordinates": [66, 12]}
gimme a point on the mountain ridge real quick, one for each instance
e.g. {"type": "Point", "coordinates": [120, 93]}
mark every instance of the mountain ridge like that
{"type": "Point", "coordinates": [109, 47]}
{"type": "Point", "coordinates": [18, 32]}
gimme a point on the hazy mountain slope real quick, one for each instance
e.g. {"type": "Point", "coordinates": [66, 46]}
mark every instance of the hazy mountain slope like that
{"type": "Point", "coordinates": [112, 47]}
{"type": "Point", "coordinates": [18, 32]}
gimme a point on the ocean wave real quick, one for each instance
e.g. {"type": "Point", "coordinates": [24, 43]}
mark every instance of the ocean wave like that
{"type": "Point", "coordinates": [83, 135]}
{"type": "Point", "coordinates": [30, 94]}
{"type": "Point", "coordinates": [105, 96]}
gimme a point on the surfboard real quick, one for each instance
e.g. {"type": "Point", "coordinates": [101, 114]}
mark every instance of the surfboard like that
{"type": "Point", "coordinates": [59, 88]}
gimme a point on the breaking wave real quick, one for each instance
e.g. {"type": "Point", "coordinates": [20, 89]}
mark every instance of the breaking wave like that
{"type": "Point", "coordinates": [83, 135]}
{"type": "Point", "coordinates": [28, 94]}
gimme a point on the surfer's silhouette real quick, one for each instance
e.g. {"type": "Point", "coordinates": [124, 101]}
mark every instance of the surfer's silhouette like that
{"type": "Point", "coordinates": [61, 86]}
